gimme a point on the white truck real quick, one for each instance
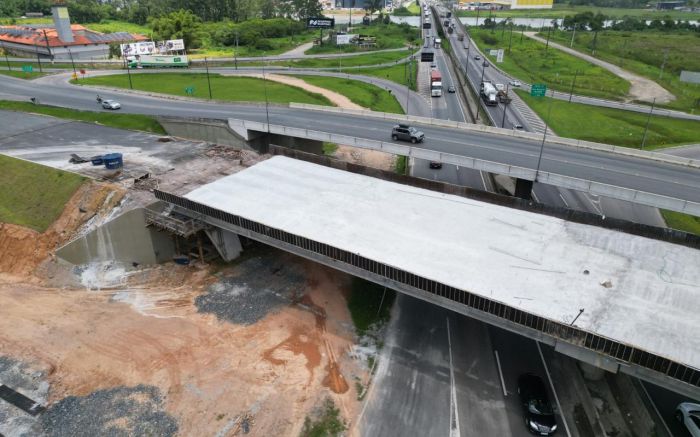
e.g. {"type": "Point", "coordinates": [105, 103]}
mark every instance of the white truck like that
{"type": "Point", "coordinates": [489, 93]}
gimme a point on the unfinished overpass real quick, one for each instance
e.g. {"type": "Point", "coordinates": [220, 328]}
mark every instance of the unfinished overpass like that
{"type": "Point", "coordinates": [618, 301]}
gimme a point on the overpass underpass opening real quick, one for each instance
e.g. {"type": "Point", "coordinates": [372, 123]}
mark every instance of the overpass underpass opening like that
{"type": "Point", "coordinates": [278, 198]}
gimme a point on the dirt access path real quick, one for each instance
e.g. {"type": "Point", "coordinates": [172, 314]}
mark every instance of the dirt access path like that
{"type": "Point", "coordinates": [370, 158]}
{"type": "Point", "coordinates": [641, 89]}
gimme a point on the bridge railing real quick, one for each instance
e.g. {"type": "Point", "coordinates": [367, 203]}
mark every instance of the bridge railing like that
{"type": "Point", "coordinates": [569, 334]}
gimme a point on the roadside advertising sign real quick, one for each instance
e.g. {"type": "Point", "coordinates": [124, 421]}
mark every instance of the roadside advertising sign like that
{"type": "Point", "coordinates": [320, 23]}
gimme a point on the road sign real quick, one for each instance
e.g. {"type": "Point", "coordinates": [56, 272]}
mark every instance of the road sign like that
{"type": "Point", "coordinates": [320, 23]}
{"type": "Point", "coordinates": [27, 68]}
{"type": "Point", "coordinates": [538, 90]}
{"type": "Point", "coordinates": [427, 56]}
{"type": "Point", "coordinates": [189, 90]}
{"type": "Point", "coordinates": [499, 56]}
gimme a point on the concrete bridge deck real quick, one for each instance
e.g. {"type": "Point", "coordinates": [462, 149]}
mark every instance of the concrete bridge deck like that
{"type": "Point", "coordinates": [522, 271]}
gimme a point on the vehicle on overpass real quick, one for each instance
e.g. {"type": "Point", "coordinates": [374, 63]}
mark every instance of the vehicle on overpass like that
{"type": "Point", "coordinates": [489, 93]}
{"type": "Point", "coordinates": [405, 132]}
{"type": "Point", "coordinates": [435, 83]}
{"type": "Point", "coordinates": [688, 414]}
{"type": "Point", "coordinates": [538, 412]}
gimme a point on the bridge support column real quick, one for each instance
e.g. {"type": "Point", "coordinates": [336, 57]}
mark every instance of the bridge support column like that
{"type": "Point", "coordinates": [226, 242]}
{"type": "Point", "coordinates": [590, 372]}
{"type": "Point", "coordinates": [523, 189]}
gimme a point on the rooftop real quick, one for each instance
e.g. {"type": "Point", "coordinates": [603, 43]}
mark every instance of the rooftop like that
{"type": "Point", "coordinates": [636, 290]}
{"type": "Point", "coordinates": [34, 35]}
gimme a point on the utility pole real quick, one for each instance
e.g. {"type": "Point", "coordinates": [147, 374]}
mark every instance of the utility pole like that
{"type": "Point", "coordinates": [544, 137]}
{"type": "Point", "coordinates": [505, 107]}
{"type": "Point", "coordinates": [478, 104]}
{"type": "Point", "coordinates": [267, 104]}
{"type": "Point", "coordinates": [128, 73]}
{"type": "Point", "coordinates": [573, 83]}
{"type": "Point", "coordinates": [644, 138]}
{"type": "Point", "coordinates": [75, 73]}
{"type": "Point", "coordinates": [490, 21]}
{"type": "Point", "coordinates": [546, 47]}
{"type": "Point", "coordinates": [522, 32]}
{"type": "Point", "coordinates": [235, 54]}
{"type": "Point", "coordinates": [206, 65]}
{"type": "Point", "coordinates": [478, 11]}
{"type": "Point", "coordinates": [510, 40]}
{"type": "Point", "coordinates": [664, 63]}
{"type": "Point", "coordinates": [572, 36]}
{"type": "Point", "coordinates": [6, 58]}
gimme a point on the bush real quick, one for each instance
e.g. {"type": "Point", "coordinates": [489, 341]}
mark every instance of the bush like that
{"type": "Point", "coordinates": [264, 44]}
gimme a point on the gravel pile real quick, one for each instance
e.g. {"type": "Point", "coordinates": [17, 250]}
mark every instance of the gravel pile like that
{"type": "Point", "coordinates": [117, 412]}
{"type": "Point", "coordinates": [260, 285]}
{"type": "Point", "coordinates": [31, 383]}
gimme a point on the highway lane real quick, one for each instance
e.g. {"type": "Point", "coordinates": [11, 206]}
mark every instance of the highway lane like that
{"type": "Point", "coordinates": [623, 171]}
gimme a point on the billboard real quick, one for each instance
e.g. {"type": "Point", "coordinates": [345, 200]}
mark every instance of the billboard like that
{"type": "Point", "coordinates": [344, 39]}
{"type": "Point", "coordinates": [320, 23]}
{"type": "Point", "coordinates": [690, 76]}
{"type": "Point", "coordinates": [138, 48]}
{"type": "Point", "coordinates": [171, 45]}
{"type": "Point", "coordinates": [499, 57]}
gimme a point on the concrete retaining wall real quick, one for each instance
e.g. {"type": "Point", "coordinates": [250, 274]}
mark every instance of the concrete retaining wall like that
{"type": "Point", "coordinates": [209, 130]}
{"type": "Point", "coordinates": [125, 239]}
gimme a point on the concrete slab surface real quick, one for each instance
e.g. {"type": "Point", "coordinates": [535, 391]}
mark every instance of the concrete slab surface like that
{"type": "Point", "coordinates": [635, 290]}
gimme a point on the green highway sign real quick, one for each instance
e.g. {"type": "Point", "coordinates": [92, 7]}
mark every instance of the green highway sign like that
{"type": "Point", "coordinates": [538, 90]}
{"type": "Point", "coordinates": [27, 68]}
{"type": "Point", "coordinates": [189, 90]}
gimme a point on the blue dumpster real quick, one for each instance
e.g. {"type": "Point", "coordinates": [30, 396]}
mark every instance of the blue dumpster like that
{"type": "Point", "coordinates": [113, 161]}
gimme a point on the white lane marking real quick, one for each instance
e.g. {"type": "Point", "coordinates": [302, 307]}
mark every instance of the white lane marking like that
{"type": "Point", "coordinates": [500, 373]}
{"type": "Point", "coordinates": [459, 101]}
{"type": "Point", "coordinates": [551, 384]}
{"type": "Point", "coordinates": [563, 200]}
{"type": "Point", "coordinates": [454, 411]}
{"type": "Point", "coordinates": [656, 410]}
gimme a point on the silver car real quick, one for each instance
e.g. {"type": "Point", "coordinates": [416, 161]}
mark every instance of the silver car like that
{"type": "Point", "coordinates": [688, 414]}
{"type": "Point", "coordinates": [111, 104]}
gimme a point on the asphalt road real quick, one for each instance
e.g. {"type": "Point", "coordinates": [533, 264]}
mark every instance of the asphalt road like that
{"type": "Point", "coordinates": [628, 172]}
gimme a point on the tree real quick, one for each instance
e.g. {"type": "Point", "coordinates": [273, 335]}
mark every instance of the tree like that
{"type": "Point", "coordinates": [304, 9]}
{"type": "Point", "coordinates": [372, 6]}
{"type": "Point", "coordinates": [179, 25]}
{"type": "Point", "coordinates": [596, 25]}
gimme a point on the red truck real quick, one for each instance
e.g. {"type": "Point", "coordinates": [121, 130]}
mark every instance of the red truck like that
{"type": "Point", "coordinates": [435, 83]}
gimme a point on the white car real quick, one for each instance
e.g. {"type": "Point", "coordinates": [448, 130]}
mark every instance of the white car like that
{"type": "Point", "coordinates": [515, 83]}
{"type": "Point", "coordinates": [688, 414]}
{"type": "Point", "coordinates": [111, 104]}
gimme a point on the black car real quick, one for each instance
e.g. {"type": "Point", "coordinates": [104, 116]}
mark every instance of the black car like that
{"type": "Point", "coordinates": [435, 165]}
{"type": "Point", "coordinates": [539, 415]}
{"type": "Point", "coordinates": [407, 133]}
{"type": "Point", "coordinates": [451, 89]}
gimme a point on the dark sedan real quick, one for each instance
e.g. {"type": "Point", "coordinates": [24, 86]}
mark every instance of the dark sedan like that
{"type": "Point", "coordinates": [538, 412]}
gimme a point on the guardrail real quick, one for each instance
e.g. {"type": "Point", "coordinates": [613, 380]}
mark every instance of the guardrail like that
{"type": "Point", "coordinates": [619, 351]}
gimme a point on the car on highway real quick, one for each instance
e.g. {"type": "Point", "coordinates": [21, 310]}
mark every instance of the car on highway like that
{"type": "Point", "coordinates": [688, 414]}
{"type": "Point", "coordinates": [485, 64]}
{"type": "Point", "coordinates": [435, 165]}
{"type": "Point", "coordinates": [518, 126]}
{"type": "Point", "coordinates": [451, 89]}
{"type": "Point", "coordinates": [477, 58]}
{"type": "Point", "coordinates": [538, 412]}
{"type": "Point", "coordinates": [515, 83]}
{"type": "Point", "coordinates": [111, 104]}
{"type": "Point", "coordinates": [405, 132]}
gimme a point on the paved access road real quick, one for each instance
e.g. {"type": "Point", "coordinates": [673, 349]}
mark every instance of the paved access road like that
{"type": "Point", "coordinates": [629, 172]}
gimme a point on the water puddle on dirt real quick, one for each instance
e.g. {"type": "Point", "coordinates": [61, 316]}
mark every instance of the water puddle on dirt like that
{"type": "Point", "coordinates": [297, 343]}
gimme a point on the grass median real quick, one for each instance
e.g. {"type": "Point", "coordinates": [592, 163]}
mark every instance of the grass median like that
{"type": "Point", "coordinates": [364, 94]}
{"type": "Point", "coordinates": [612, 126]}
{"type": "Point", "coordinates": [682, 222]}
{"type": "Point", "coordinates": [21, 74]}
{"type": "Point", "coordinates": [529, 62]}
{"type": "Point", "coordinates": [361, 60]}
{"type": "Point", "coordinates": [38, 194]}
{"type": "Point", "coordinates": [121, 121]}
{"type": "Point", "coordinates": [227, 88]}
{"type": "Point", "coordinates": [403, 74]}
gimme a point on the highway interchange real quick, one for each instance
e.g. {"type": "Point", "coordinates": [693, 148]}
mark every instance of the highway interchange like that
{"type": "Point", "coordinates": [440, 373]}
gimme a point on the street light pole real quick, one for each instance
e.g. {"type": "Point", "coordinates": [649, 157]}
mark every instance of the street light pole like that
{"type": "Point", "coordinates": [478, 104]}
{"type": "Point", "coordinates": [505, 107]}
{"type": "Point", "coordinates": [267, 103]}
{"type": "Point", "coordinates": [544, 137]}
{"type": "Point", "coordinates": [573, 84]}
{"type": "Point", "coordinates": [510, 40]}
{"type": "Point", "coordinates": [644, 138]}
{"type": "Point", "coordinates": [6, 58]}
{"type": "Point", "coordinates": [206, 66]}
{"type": "Point", "coordinates": [128, 73]}
{"type": "Point", "coordinates": [235, 54]}
{"type": "Point", "coordinates": [478, 11]}
{"type": "Point", "coordinates": [75, 73]}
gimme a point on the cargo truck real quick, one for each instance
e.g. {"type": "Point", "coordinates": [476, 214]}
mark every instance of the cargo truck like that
{"type": "Point", "coordinates": [435, 83]}
{"type": "Point", "coordinates": [157, 61]}
{"type": "Point", "coordinates": [489, 93]}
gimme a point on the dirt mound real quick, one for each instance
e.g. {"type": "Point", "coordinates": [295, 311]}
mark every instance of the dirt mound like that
{"type": "Point", "coordinates": [22, 249]}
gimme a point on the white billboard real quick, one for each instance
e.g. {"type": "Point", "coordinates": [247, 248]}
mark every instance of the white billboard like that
{"type": "Point", "coordinates": [344, 39]}
{"type": "Point", "coordinates": [171, 45]}
{"type": "Point", "coordinates": [138, 48]}
{"type": "Point", "coordinates": [499, 57]}
{"type": "Point", "coordinates": [690, 76]}
{"type": "Point", "coordinates": [493, 52]}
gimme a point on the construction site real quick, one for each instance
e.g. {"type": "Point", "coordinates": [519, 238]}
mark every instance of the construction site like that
{"type": "Point", "coordinates": [123, 319]}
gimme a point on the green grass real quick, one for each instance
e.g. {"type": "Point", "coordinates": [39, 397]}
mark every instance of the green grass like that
{"type": "Point", "coordinates": [364, 94]}
{"type": "Point", "coordinates": [327, 424]}
{"type": "Point", "coordinates": [34, 195]}
{"type": "Point", "coordinates": [412, 9]}
{"type": "Point", "coordinates": [388, 36]}
{"type": "Point", "coordinates": [682, 222]}
{"type": "Point", "coordinates": [364, 304]}
{"type": "Point", "coordinates": [228, 88]}
{"type": "Point", "coordinates": [112, 26]}
{"type": "Point", "coordinates": [400, 164]}
{"type": "Point", "coordinates": [348, 61]}
{"type": "Point", "coordinates": [396, 73]}
{"type": "Point", "coordinates": [643, 53]}
{"type": "Point", "coordinates": [562, 10]}
{"type": "Point", "coordinates": [21, 74]}
{"type": "Point", "coordinates": [528, 62]}
{"type": "Point", "coordinates": [121, 121]}
{"type": "Point", "coordinates": [612, 126]}
{"type": "Point", "coordinates": [329, 149]}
